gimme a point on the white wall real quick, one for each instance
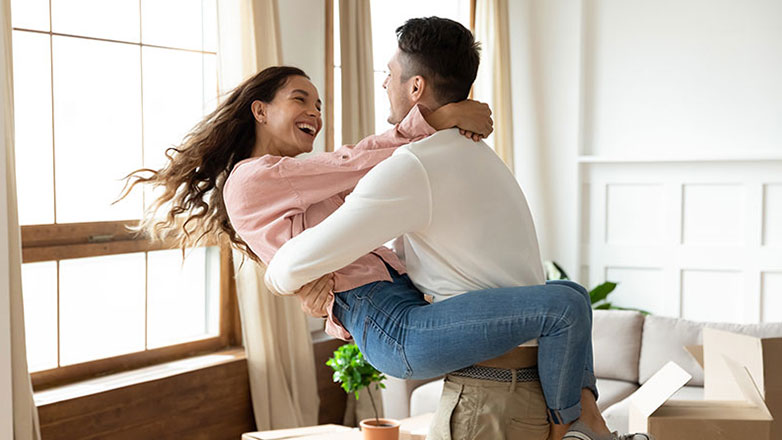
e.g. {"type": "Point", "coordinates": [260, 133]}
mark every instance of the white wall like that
{"type": "Point", "coordinates": [656, 127]}
{"type": "Point", "coordinates": [672, 77]}
{"type": "Point", "coordinates": [545, 69]}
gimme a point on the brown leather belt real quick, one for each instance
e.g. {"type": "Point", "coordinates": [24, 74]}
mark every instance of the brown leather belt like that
{"type": "Point", "coordinates": [519, 357]}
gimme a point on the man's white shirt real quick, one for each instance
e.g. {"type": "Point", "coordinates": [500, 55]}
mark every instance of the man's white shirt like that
{"type": "Point", "coordinates": [459, 213]}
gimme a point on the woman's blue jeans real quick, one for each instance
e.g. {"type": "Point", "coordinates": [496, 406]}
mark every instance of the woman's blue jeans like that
{"type": "Point", "coordinates": [404, 336]}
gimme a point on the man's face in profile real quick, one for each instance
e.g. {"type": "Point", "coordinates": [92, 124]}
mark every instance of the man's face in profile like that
{"type": "Point", "coordinates": [398, 91]}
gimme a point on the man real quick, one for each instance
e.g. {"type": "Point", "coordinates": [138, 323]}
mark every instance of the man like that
{"type": "Point", "coordinates": [464, 225]}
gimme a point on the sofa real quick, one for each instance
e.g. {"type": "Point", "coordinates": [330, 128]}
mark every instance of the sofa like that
{"type": "Point", "coordinates": [628, 347]}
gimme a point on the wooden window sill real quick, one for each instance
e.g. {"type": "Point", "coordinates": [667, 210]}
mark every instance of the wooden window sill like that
{"type": "Point", "coordinates": [134, 377]}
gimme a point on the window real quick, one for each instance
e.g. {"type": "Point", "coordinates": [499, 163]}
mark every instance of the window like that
{"type": "Point", "coordinates": [386, 17]}
{"type": "Point", "coordinates": [102, 89]}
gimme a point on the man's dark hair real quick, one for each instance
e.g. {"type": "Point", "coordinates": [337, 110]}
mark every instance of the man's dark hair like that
{"type": "Point", "coordinates": [442, 51]}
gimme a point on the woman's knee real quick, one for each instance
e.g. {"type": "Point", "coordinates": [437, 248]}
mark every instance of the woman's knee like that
{"type": "Point", "coordinates": [574, 307]}
{"type": "Point", "coordinates": [575, 287]}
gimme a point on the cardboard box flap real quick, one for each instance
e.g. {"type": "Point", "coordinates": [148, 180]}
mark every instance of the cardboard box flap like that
{"type": "Point", "coordinates": [747, 385]}
{"type": "Point", "coordinates": [696, 351]}
{"type": "Point", "coordinates": [718, 345]}
{"type": "Point", "coordinates": [652, 394]}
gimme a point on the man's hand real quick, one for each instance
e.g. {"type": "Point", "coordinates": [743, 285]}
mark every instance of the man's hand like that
{"type": "Point", "coordinates": [315, 296]}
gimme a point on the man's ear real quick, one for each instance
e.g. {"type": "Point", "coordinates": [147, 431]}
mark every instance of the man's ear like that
{"type": "Point", "coordinates": [417, 88]}
{"type": "Point", "coordinates": [259, 111]}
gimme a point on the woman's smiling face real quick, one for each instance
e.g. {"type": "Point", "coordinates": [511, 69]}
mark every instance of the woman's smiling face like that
{"type": "Point", "coordinates": [292, 120]}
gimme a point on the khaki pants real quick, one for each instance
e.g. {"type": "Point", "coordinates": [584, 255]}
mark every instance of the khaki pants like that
{"type": "Point", "coordinates": [476, 409]}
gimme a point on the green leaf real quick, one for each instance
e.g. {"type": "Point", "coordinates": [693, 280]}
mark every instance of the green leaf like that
{"type": "Point", "coordinates": [604, 306]}
{"type": "Point", "coordinates": [601, 292]}
{"type": "Point", "coordinates": [562, 274]}
{"type": "Point", "coordinates": [554, 271]}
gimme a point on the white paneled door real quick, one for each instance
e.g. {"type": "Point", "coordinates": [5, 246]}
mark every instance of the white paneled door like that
{"type": "Point", "coordinates": [699, 240]}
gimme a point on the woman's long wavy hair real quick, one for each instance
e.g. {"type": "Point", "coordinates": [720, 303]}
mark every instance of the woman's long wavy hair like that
{"type": "Point", "coordinates": [197, 169]}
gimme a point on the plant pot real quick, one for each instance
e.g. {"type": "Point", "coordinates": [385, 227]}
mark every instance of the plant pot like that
{"type": "Point", "coordinates": [388, 429]}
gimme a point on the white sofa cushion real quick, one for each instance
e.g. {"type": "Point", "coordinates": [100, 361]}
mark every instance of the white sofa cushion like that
{"type": "Point", "coordinates": [425, 398]}
{"type": "Point", "coordinates": [664, 340]}
{"type": "Point", "coordinates": [396, 396]}
{"type": "Point", "coordinates": [616, 340]}
{"type": "Point", "coordinates": [612, 391]}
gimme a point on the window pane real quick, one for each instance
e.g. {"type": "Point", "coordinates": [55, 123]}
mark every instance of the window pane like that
{"type": "Point", "coordinates": [174, 100]}
{"type": "Point", "coordinates": [180, 306]}
{"type": "Point", "coordinates": [30, 14]}
{"type": "Point", "coordinates": [337, 107]}
{"type": "Point", "coordinates": [209, 69]}
{"type": "Point", "coordinates": [336, 36]}
{"type": "Point", "coordinates": [97, 126]}
{"type": "Point", "coordinates": [33, 124]}
{"type": "Point", "coordinates": [101, 307]}
{"type": "Point", "coordinates": [113, 20]}
{"type": "Point", "coordinates": [39, 287]}
{"type": "Point", "coordinates": [387, 16]}
{"type": "Point", "coordinates": [178, 23]}
{"type": "Point", "coordinates": [337, 82]}
{"type": "Point", "coordinates": [180, 88]}
{"type": "Point", "coordinates": [382, 106]}
{"type": "Point", "coordinates": [210, 25]}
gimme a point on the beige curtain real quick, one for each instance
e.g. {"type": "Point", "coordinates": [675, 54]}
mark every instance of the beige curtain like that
{"type": "Point", "coordinates": [493, 82]}
{"type": "Point", "coordinates": [16, 393]}
{"type": "Point", "coordinates": [358, 82]}
{"type": "Point", "coordinates": [276, 337]}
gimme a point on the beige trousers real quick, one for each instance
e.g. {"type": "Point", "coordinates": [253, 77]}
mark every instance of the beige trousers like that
{"type": "Point", "coordinates": [476, 409]}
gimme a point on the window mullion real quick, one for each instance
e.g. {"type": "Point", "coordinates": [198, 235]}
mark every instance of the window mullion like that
{"type": "Point", "coordinates": [146, 300]}
{"type": "Point", "coordinates": [58, 314]}
{"type": "Point", "coordinates": [51, 78]}
{"type": "Point", "coordinates": [141, 77]}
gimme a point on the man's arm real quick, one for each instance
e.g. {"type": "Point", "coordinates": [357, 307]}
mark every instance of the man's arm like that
{"type": "Point", "coordinates": [392, 199]}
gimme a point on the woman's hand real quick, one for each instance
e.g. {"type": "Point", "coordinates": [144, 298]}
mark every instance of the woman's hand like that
{"type": "Point", "coordinates": [473, 118]}
{"type": "Point", "coordinates": [315, 296]}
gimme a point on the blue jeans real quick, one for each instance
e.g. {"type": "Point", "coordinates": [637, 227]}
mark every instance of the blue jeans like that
{"type": "Point", "coordinates": [404, 336]}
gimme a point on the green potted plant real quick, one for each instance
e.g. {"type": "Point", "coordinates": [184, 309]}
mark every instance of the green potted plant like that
{"type": "Point", "coordinates": [354, 373]}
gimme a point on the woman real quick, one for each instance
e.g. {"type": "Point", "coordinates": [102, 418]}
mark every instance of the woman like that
{"type": "Point", "coordinates": [273, 117]}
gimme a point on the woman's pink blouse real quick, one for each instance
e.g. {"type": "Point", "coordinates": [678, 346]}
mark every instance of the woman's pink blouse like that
{"type": "Point", "coordinates": [271, 199]}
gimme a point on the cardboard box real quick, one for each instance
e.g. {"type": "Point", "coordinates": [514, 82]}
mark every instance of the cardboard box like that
{"type": "Point", "coordinates": [413, 428]}
{"type": "Point", "coordinates": [761, 356]}
{"type": "Point", "coordinates": [734, 409]}
{"type": "Point", "coordinates": [323, 431]}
